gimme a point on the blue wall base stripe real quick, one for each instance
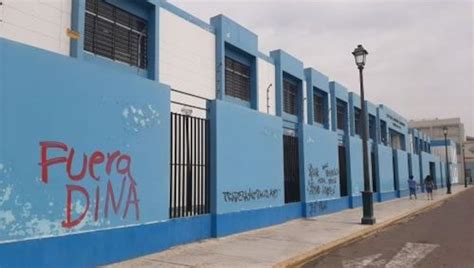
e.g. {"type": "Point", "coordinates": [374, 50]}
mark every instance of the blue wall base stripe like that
{"type": "Point", "coordinates": [387, 196]}
{"type": "Point", "coordinates": [105, 246]}
{"type": "Point", "coordinates": [356, 201]}
{"type": "Point", "coordinates": [235, 222]}
{"type": "Point", "coordinates": [322, 207]}
{"type": "Point", "coordinates": [402, 193]}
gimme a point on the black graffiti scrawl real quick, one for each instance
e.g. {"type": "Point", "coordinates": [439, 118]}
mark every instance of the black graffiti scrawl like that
{"type": "Point", "coordinates": [317, 207]}
{"type": "Point", "coordinates": [250, 195]}
{"type": "Point", "coordinates": [322, 181]}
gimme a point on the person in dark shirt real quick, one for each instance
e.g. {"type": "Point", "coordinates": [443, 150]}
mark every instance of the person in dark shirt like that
{"type": "Point", "coordinates": [429, 184]}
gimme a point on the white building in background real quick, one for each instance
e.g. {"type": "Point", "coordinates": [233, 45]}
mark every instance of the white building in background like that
{"type": "Point", "coordinates": [434, 129]}
{"type": "Point", "coordinates": [469, 157]}
{"type": "Point", "coordinates": [438, 148]}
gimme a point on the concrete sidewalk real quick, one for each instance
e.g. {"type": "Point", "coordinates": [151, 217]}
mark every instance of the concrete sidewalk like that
{"type": "Point", "coordinates": [289, 243]}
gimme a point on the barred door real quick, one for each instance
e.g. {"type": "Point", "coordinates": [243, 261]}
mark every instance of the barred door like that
{"type": "Point", "coordinates": [291, 169]}
{"type": "Point", "coordinates": [189, 180]}
{"type": "Point", "coordinates": [342, 171]}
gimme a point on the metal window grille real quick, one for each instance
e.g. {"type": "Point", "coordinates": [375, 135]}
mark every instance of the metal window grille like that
{"type": "Point", "coordinates": [291, 169]}
{"type": "Point", "coordinates": [383, 131]}
{"type": "Point", "coordinates": [318, 107]}
{"type": "Point", "coordinates": [357, 121]}
{"type": "Point", "coordinates": [372, 127]}
{"type": "Point", "coordinates": [237, 79]}
{"type": "Point", "coordinates": [290, 97]}
{"type": "Point", "coordinates": [373, 174]}
{"type": "Point", "coordinates": [115, 34]}
{"type": "Point", "coordinates": [341, 115]}
{"type": "Point", "coordinates": [395, 140]}
{"type": "Point", "coordinates": [417, 151]}
{"type": "Point", "coordinates": [189, 180]}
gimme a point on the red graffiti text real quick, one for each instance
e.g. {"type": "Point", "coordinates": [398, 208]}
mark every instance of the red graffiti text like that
{"type": "Point", "coordinates": [96, 166]}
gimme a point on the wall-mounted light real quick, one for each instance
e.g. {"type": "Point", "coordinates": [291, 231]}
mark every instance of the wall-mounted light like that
{"type": "Point", "coordinates": [186, 111]}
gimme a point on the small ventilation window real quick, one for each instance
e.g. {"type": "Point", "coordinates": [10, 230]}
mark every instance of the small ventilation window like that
{"type": "Point", "coordinates": [372, 128]}
{"type": "Point", "coordinates": [115, 34]}
{"type": "Point", "coordinates": [237, 79]}
{"type": "Point", "coordinates": [341, 114]}
{"type": "Point", "coordinates": [318, 106]}
{"type": "Point", "coordinates": [357, 121]}
{"type": "Point", "coordinates": [290, 88]}
{"type": "Point", "coordinates": [383, 131]}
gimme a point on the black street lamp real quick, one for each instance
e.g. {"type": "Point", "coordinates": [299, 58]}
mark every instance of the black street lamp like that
{"type": "Point", "coordinates": [448, 174]}
{"type": "Point", "coordinates": [464, 166]}
{"type": "Point", "coordinates": [367, 199]}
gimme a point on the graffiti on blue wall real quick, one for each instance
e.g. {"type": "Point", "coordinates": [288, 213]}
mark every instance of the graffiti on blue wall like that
{"type": "Point", "coordinates": [250, 195]}
{"type": "Point", "coordinates": [322, 181]}
{"type": "Point", "coordinates": [97, 166]}
{"type": "Point", "coordinates": [94, 158]}
{"type": "Point", "coordinates": [317, 207]}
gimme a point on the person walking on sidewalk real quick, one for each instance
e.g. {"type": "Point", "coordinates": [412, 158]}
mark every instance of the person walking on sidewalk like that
{"type": "Point", "coordinates": [429, 186]}
{"type": "Point", "coordinates": [412, 186]}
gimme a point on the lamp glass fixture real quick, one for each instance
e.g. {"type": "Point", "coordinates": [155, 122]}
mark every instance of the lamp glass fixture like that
{"type": "Point", "coordinates": [360, 54]}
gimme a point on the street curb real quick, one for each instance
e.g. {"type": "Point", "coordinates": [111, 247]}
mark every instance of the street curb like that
{"type": "Point", "coordinates": [301, 259]}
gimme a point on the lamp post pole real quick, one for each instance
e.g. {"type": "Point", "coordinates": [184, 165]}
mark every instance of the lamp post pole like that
{"type": "Point", "coordinates": [464, 166]}
{"type": "Point", "coordinates": [448, 173]}
{"type": "Point", "coordinates": [367, 198]}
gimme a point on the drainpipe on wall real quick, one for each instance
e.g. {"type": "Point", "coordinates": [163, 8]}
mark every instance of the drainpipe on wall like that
{"type": "Point", "coordinates": [268, 98]}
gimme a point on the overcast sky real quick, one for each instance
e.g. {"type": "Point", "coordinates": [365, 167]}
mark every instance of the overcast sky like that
{"type": "Point", "coordinates": [421, 53]}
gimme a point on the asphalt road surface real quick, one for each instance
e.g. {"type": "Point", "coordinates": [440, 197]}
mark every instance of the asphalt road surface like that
{"type": "Point", "coordinates": [441, 237]}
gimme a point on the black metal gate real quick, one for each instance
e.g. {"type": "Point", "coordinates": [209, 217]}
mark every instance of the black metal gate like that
{"type": "Point", "coordinates": [374, 172]}
{"type": "Point", "coordinates": [342, 171]}
{"type": "Point", "coordinates": [291, 169]}
{"type": "Point", "coordinates": [433, 174]}
{"type": "Point", "coordinates": [189, 180]}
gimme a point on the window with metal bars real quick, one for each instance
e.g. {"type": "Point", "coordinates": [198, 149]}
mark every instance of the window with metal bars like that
{"type": "Point", "coordinates": [341, 115]}
{"type": "Point", "coordinates": [357, 121]}
{"type": "Point", "coordinates": [372, 127]}
{"type": "Point", "coordinates": [318, 106]}
{"type": "Point", "coordinates": [416, 146]}
{"type": "Point", "coordinates": [383, 131]}
{"type": "Point", "coordinates": [237, 79]}
{"type": "Point", "coordinates": [290, 104]}
{"type": "Point", "coordinates": [115, 34]}
{"type": "Point", "coordinates": [396, 140]}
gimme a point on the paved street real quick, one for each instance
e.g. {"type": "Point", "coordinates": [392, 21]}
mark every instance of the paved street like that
{"type": "Point", "coordinates": [292, 242]}
{"type": "Point", "coordinates": [442, 237]}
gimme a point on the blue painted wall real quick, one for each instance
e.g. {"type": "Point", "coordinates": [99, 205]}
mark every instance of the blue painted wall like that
{"type": "Point", "coordinates": [235, 34]}
{"type": "Point", "coordinates": [385, 168]}
{"type": "Point", "coordinates": [356, 169]}
{"type": "Point", "coordinates": [321, 165]}
{"type": "Point", "coordinates": [402, 169]}
{"type": "Point", "coordinates": [247, 159]}
{"type": "Point", "coordinates": [63, 100]}
{"type": "Point", "coordinates": [415, 163]}
{"type": "Point", "coordinates": [104, 246]}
